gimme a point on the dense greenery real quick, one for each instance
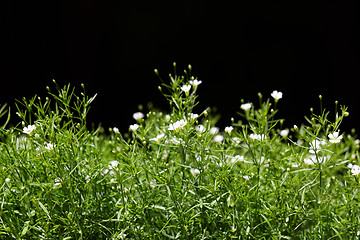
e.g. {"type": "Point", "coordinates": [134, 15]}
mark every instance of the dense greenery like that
{"type": "Point", "coordinates": [176, 175]}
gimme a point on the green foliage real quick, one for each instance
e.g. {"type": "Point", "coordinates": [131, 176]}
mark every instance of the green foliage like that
{"type": "Point", "coordinates": [175, 175]}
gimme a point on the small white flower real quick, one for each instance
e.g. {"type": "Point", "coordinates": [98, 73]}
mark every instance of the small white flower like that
{"type": "Point", "coordinates": [229, 129]}
{"type": "Point", "coordinates": [138, 116]}
{"type": "Point", "coordinates": [261, 160]}
{"type": "Point", "coordinates": [253, 136]}
{"type": "Point", "coordinates": [259, 137]}
{"type": "Point", "coordinates": [158, 137]}
{"type": "Point", "coordinates": [116, 130]}
{"type": "Point", "coordinates": [7, 179]}
{"type": "Point", "coordinates": [195, 82]}
{"type": "Point", "coordinates": [276, 95]}
{"type": "Point", "coordinates": [29, 129]}
{"type": "Point", "coordinates": [245, 106]}
{"type": "Point", "coordinates": [214, 130]}
{"type": "Point", "coordinates": [218, 138]}
{"type": "Point", "coordinates": [175, 141]}
{"type": "Point", "coordinates": [37, 135]}
{"type": "Point", "coordinates": [113, 164]}
{"type": "Point", "coordinates": [284, 132]}
{"type": "Point", "coordinates": [122, 236]}
{"type": "Point", "coordinates": [334, 137]}
{"type": "Point", "coordinates": [177, 125]}
{"type": "Point", "coordinates": [246, 177]}
{"type": "Point", "coordinates": [194, 171]}
{"type": "Point", "coordinates": [134, 127]}
{"type": "Point", "coordinates": [186, 88]}
{"type": "Point", "coordinates": [236, 140]}
{"type": "Point", "coordinates": [193, 115]}
{"type": "Point", "coordinates": [355, 169]}
{"type": "Point", "coordinates": [309, 161]}
{"type": "Point", "coordinates": [313, 159]}
{"type": "Point", "coordinates": [200, 128]}
{"type": "Point", "coordinates": [315, 146]}
{"type": "Point", "coordinates": [49, 146]}
{"type": "Point", "coordinates": [237, 158]}
{"type": "Point", "coordinates": [57, 182]}
{"type": "Point", "coordinates": [167, 117]}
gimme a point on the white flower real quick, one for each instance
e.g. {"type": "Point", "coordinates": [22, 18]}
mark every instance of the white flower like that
{"type": "Point", "coordinates": [214, 130]}
{"type": "Point", "coordinates": [193, 115]}
{"type": "Point", "coordinates": [116, 130]}
{"type": "Point", "coordinates": [175, 141]}
{"type": "Point", "coordinates": [195, 82]}
{"type": "Point", "coordinates": [246, 177]}
{"type": "Point", "coordinates": [29, 129]}
{"type": "Point", "coordinates": [57, 182]}
{"type": "Point", "coordinates": [334, 137]}
{"type": "Point", "coordinates": [113, 164]}
{"type": "Point", "coordinates": [7, 179]}
{"type": "Point", "coordinates": [134, 127]}
{"type": "Point", "coordinates": [138, 116]}
{"type": "Point", "coordinates": [245, 106]}
{"type": "Point", "coordinates": [229, 129]}
{"type": "Point", "coordinates": [276, 95]}
{"type": "Point", "coordinates": [177, 125]}
{"type": "Point", "coordinates": [355, 169]}
{"type": "Point", "coordinates": [261, 160]}
{"type": "Point", "coordinates": [186, 88]}
{"type": "Point", "coordinates": [313, 159]}
{"type": "Point", "coordinates": [237, 158]}
{"type": "Point", "coordinates": [259, 137]}
{"type": "Point", "coordinates": [309, 161]}
{"type": "Point", "coordinates": [158, 137]}
{"type": "Point", "coordinates": [218, 138]}
{"type": "Point", "coordinates": [37, 135]}
{"type": "Point", "coordinates": [284, 132]}
{"type": "Point", "coordinates": [194, 171]}
{"type": "Point", "coordinates": [200, 128]}
{"type": "Point", "coordinates": [315, 146]}
{"type": "Point", "coordinates": [167, 117]}
{"type": "Point", "coordinates": [236, 140]}
{"type": "Point", "coordinates": [49, 146]}
{"type": "Point", "coordinates": [253, 136]}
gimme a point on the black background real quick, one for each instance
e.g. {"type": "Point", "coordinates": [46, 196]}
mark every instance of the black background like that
{"type": "Point", "coordinates": [237, 50]}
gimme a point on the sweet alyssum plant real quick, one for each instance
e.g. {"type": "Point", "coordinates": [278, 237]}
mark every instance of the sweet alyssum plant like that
{"type": "Point", "coordinates": [176, 175]}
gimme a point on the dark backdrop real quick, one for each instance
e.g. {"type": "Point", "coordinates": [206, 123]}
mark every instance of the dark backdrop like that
{"type": "Point", "coordinates": [302, 49]}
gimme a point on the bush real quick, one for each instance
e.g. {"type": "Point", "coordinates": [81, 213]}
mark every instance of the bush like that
{"type": "Point", "coordinates": [176, 175]}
